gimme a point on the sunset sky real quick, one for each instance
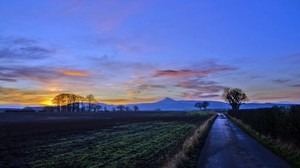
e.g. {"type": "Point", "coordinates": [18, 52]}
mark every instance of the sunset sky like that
{"type": "Point", "coordinates": [125, 51]}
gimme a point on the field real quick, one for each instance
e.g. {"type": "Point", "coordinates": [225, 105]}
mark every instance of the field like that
{"type": "Point", "coordinates": [116, 139]}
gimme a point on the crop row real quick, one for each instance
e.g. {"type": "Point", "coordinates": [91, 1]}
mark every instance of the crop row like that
{"type": "Point", "coordinates": [131, 145]}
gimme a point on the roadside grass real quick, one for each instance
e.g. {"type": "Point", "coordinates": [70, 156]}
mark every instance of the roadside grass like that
{"type": "Point", "coordinates": [287, 151]}
{"type": "Point", "coordinates": [188, 154]}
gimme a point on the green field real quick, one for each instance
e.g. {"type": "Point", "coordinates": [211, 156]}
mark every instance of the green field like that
{"type": "Point", "coordinates": [141, 140]}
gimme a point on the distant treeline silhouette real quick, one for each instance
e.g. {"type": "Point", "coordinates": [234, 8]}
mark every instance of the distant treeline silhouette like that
{"type": "Point", "coordinates": [75, 103]}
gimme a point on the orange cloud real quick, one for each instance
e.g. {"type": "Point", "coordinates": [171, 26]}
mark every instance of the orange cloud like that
{"type": "Point", "coordinates": [78, 73]}
{"type": "Point", "coordinates": [25, 97]}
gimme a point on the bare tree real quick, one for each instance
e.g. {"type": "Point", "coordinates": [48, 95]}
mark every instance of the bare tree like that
{"type": "Point", "coordinates": [135, 108]}
{"type": "Point", "coordinates": [91, 100]}
{"type": "Point", "coordinates": [205, 104]}
{"type": "Point", "coordinates": [79, 103]}
{"type": "Point", "coordinates": [235, 97]}
{"type": "Point", "coordinates": [127, 108]}
{"type": "Point", "coordinates": [58, 101]}
{"type": "Point", "coordinates": [120, 107]}
{"type": "Point", "coordinates": [98, 107]}
{"type": "Point", "coordinates": [198, 105]}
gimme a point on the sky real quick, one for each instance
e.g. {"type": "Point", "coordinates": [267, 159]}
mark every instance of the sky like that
{"type": "Point", "coordinates": [134, 51]}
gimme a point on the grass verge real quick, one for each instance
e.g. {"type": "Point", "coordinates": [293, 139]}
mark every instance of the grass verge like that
{"type": "Point", "coordinates": [287, 151]}
{"type": "Point", "coordinates": [188, 155]}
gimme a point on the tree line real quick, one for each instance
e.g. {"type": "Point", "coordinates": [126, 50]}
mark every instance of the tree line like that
{"type": "Point", "coordinates": [75, 103]}
{"type": "Point", "coordinates": [67, 102]}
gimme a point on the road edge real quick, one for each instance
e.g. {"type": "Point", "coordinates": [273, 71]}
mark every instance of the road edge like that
{"type": "Point", "coordinates": [281, 150]}
{"type": "Point", "coordinates": [188, 155]}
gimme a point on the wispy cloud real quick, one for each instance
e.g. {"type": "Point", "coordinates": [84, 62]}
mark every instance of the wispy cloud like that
{"type": "Point", "coordinates": [188, 72]}
{"type": "Point", "coordinates": [16, 40]}
{"type": "Point", "coordinates": [17, 48]}
{"type": "Point", "coordinates": [129, 100]}
{"type": "Point", "coordinates": [40, 74]}
{"type": "Point", "coordinates": [141, 88]}
{"type": "Point", "coordinates": [295, 57]}
{"type": "Point", "coordinates": [209, 96]}
{"type": "Point", "coordinates": [276, 96]}
{"type": "Point", "coordinates": [78, 73]}
{"type": "Point", "coordinates": [199, 88]}
{"type": "Point", "coordinates": [295, 85]}
{"type": "Point", "coordinates": [8, 79]}
{"type": "Point", "coordinates": [281, 81]}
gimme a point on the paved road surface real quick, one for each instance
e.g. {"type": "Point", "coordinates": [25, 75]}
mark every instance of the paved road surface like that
{"type": "Point", "coordinates": [227, 146]}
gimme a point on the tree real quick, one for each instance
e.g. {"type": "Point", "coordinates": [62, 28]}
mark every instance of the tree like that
{"type": "Point", "coordinates": [58, 101]}
{"type": "Point", "coordinates": [201, 105]}
{"type": "Point", "coordinates": [72, 102]}
{"type": "Point", "coordinates": [235, 97]}
{"type": "Point", "coordinates": [105, 109]}
{"type": "Point", "coordinates": [205, 104]}
{"type": "Point", "coordinates": [79, 103]}
{"type": "Point", "coordinates": [120, 107]}
{"type": "Point", "coordinates": [91, 100]}
{"type": "Point", "coordinates": [135, 108]}
{"type": "Point", "coordinates": [198, 105]}
{"type": "Point", "coordinates": [98, 107]}
{"type": "Point", "coordinates": [127, 109]}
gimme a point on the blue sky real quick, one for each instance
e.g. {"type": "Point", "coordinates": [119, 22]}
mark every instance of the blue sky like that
{"type": "Point", "coordinates": [141, 51]}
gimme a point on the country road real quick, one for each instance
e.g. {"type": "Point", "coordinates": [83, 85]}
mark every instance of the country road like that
{"type": "Point", "coordinates": [227, 146]}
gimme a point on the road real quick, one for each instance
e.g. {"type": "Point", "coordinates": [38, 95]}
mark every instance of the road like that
{"type": "Point", "coordinates": [227, 146]}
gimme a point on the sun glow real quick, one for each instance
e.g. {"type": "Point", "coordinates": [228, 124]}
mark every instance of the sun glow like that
{"type": "Point", "coordinates": [47, 102]}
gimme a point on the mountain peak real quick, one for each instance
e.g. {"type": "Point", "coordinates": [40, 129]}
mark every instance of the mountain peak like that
{"type": "Point", "coordinates": [167, 100]}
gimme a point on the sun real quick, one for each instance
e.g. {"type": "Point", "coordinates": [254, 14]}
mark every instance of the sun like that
{"type": "Point", "coordinates": [47, 102]}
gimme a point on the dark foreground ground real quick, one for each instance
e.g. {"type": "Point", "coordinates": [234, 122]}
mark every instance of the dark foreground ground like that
{"type": "Point", "coordinates": [92, 139]}
{"type": "Point", "coordinates": [227, 146]}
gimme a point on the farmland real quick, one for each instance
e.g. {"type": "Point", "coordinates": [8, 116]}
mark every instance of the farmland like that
{"type": "Point", "coordinates": [117, 139]}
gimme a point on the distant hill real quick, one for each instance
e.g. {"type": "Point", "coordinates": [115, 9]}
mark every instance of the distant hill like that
{"type": "Point", "coordinates": [169, 104]}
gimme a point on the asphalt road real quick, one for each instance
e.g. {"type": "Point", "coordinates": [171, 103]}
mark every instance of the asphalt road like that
{"type": "Point", "coordinates": [227, 146]}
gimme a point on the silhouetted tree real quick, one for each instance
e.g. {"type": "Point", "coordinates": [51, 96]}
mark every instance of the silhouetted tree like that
{"type": "Point", "coordinates": [72, 102]}
{"type": "Point", "coordinates": [58, 101]}
{"type": "Point", "coordinates": [198, 105]}
{"type": "Point", "coordinates": [135, 108]}
{"type": "Point", "coordinates": [91, 100]}
{"type": "Point", "coordinates": [62, 101]}
{"type": "Point", "coordinates": [205, 104]}
{"type": "Point", "coordinates": [127, 108]}
{"type": "Point", "coordinates": [79, 103]}
{"type": "Point", "coordinates": [98, 107]}
{"type": "Point", "coordinates": [120, 107]}
{"type": "Point", "coordinates": [235, 97]}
